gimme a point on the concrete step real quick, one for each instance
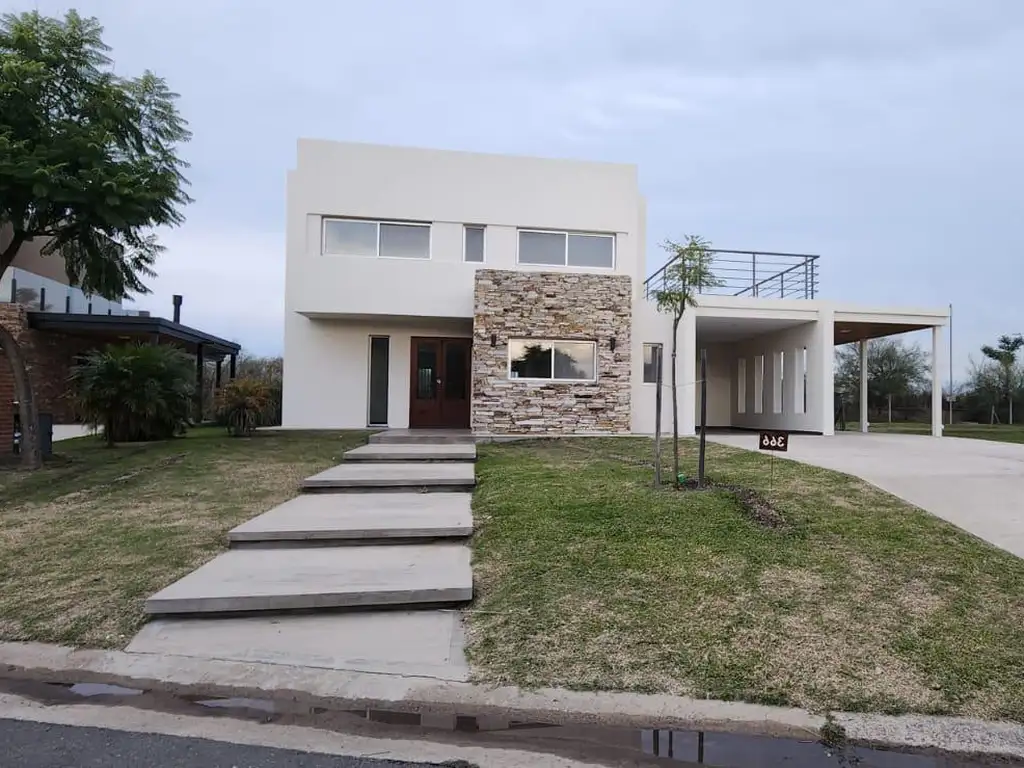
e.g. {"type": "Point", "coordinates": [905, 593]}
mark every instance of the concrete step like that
{"type": "Point", "coordinates": [414, 436]}
{"type": "Point", "coordinates": [358, 518]}
{"type": "Point", "coordinates": [393, 476]}
{"type": "Point", "coordinates": [381, 452]}
{"type": "Point", "coordinates": [264, 580]}
{"type": "Point", "coordinates": [423, 643]}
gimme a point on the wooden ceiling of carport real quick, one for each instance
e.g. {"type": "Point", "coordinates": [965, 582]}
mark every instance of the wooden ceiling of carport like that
{"type": "Point", "coordinates": [845, 332]}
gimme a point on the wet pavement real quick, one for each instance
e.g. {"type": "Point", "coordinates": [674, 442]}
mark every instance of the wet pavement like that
{"type": "Point", "coordinates": [612, 746]}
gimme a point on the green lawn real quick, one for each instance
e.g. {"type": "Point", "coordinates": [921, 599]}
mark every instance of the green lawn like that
{"type": "Point", "coordinates": [588, 578]}
{"type": "Point", "coordinates": [86, 539]}
{"type": "Point", "coordinates": [1002, 433]}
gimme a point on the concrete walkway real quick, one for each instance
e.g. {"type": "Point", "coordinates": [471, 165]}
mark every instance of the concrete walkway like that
{"type": "Point", "coordinates": [371, 533]}
{"type": "Point", "coordinates": [977, 485]}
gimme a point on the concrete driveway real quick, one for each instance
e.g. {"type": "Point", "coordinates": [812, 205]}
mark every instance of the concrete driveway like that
{"type": "Point", "coordinates": [977, 485]}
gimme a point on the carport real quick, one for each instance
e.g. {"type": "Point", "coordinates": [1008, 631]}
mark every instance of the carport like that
{"type": "Point", "coordinates": [863, 325]}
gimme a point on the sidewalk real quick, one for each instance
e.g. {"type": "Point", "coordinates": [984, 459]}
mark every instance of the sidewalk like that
{"type": "Point", "coordinates": [338, 689]}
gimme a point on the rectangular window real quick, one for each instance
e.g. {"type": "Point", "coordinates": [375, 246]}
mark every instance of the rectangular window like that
{"type": "Point", "coordinates": [778, 380]}
{"type": "Point", "coordinates": [473, 247]}
{"type": "Point", "coordinates": [552, 360]}
{"type": "Point", "coordinates": [800, 380]}
{"type": "Point", "coordinates": [652, 358]}
{"type": "Point", "coordinates": [379, 353]}
{"type": "Point", "coordinates": [741, 385]}
{"type": "Point", "coordinates": [354, 237]}
{"type": "Point", "coordinates": [561, 249]}
{"type": "Point", "coordinates": [759, 384]}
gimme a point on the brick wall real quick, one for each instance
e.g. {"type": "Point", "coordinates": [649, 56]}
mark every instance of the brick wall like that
{"type": "Point", "coordinates": [48, 357]}
{"type": "Point", "coordinates": [556, 306]}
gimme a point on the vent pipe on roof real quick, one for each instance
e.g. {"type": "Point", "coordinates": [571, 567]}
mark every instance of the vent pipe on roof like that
{"type": "Point", "coordinates": [176, 298]}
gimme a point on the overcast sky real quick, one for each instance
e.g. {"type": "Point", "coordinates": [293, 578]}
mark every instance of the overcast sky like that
{"type": "Point", "coordinates": [885, 136]}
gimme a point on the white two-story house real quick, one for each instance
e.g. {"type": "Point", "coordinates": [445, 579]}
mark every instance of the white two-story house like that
{"type": "Point", "coordinates": [507, 295]}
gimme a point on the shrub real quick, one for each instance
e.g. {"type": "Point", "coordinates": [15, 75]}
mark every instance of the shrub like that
{"type": "Point", "coordinates": [134, 391]}
{"type": "Point", "coordinates": [242, 405]}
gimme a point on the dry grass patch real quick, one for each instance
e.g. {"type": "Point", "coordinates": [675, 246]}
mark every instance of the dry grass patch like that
{"type": "Point", "coordinates": [85, 540]}
{"type": "Point", "coordinates": [589, 578]}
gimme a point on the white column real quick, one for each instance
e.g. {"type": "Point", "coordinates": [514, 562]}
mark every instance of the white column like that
{"type": "Point", "coordinates": [688, 374]}
{"type": "Point", "coordinates": [821, 374]}
{"type": "Point", "coordinates": [864, 385]}
{"type": "Point", "coordinates": [936, 382]}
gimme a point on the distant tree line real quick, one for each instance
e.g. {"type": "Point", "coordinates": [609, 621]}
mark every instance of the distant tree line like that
{"type": "Point", "coordinates": [899, 382]}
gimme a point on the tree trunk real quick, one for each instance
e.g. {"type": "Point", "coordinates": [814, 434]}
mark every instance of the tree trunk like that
{"type": "Point", "coordinates": [890, 409]}
{"type": "Point", "coordinates": [675, 402]}
{"type": "Point", "coordinates": [659, 383]}
{"type": "Point", "coordinates": [29, 445]}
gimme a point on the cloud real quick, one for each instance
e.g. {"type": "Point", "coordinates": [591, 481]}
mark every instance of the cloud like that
{"type": "Point", "coordinates": [883, 135]}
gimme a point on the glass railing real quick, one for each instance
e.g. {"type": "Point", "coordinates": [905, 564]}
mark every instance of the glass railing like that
{"type": "Point", "coordinates": [41, 294]}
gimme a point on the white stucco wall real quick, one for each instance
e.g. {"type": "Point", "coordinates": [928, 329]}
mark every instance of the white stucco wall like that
{"type": "Point", "coordinates": [447, 190]}
{"type": "Point", "coordinates": [794, 415]}
{"type": "Point", "coordinates": [326, 368]}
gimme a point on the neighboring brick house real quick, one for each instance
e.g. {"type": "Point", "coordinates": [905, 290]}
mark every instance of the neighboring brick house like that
{"type": "Point", "coordinates": [52, 341]}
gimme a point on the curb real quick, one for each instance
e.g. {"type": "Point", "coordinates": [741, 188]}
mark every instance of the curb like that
{"type": "Point", "coordinates": [339, 689]}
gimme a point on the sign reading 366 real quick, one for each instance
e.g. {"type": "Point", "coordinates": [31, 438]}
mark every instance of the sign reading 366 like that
{"type": "Point", "coordinates": [773, 441]}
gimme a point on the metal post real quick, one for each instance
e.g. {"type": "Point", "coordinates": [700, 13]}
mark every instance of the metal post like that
{"type": "Point", "coordinates": [231, 367]}
{"type": "Point", "coordinates": [176, 301]}
{"type": "Point", "coordinates": [782, 285]}
{"type": "Point", "coordinates": [67, 304]}
{"type": "Point", "coordinates": [199, 383]}
{"type": "Point", "coordinates": [216, 381]}
{"type": "Point", "coordinates": [14, 290]}
{"type": "Point", "coordinates": [753, 272]}
{"type": "Point", "coordinates": [42, 299]}
{"type": "Point", "coordinates": [658, 381]}
{"type": "Point", "coordinates": [807, 287]}
{"type": "Point", "coordinates": [703, 414]}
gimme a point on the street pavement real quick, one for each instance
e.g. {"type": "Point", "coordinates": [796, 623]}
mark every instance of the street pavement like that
{"type": "Point", "coordinates": [28, 744]}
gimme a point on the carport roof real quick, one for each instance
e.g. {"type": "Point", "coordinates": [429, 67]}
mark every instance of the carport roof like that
{"type": "Point", "coordinates": [111, 327]}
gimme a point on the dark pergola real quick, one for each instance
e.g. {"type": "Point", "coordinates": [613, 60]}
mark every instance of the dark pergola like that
{"type": "Point", "coordinates": [113, 329]}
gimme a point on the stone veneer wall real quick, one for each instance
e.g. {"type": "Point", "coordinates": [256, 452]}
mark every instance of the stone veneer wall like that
{"type": "Point", "coordinates": [557, 306]}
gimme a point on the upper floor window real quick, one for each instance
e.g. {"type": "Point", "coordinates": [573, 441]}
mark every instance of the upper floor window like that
{"type": "Point", "coordinates": [474, 244]}
{"type": "Point", "coordinates": [359, 237]}
{"type": "Point", "coordinates": [566, 249]}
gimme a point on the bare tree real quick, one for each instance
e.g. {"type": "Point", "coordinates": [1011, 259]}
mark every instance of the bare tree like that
{"type": "Point", "coordinates": [684, 277]}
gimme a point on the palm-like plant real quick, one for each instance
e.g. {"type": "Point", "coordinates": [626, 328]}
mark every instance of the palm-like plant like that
{"type": "Point", "coordinates": [1005, 355]}
{"type": "Point", "coordinates": [242, 405]}
{"type": "Point", "coordinates": [135, 392]}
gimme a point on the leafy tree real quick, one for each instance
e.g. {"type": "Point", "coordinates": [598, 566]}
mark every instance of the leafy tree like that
{"type": "Point", "coordinates": [895, 369]}
{"type": "Point", "coordinates": [88, 163]}
{"type": "Point", "coordinates": [1004, 354]}
{"type": "Point", "coordinates": [684, 277]}
{"type": "Point", "coordinates": [135, 391]}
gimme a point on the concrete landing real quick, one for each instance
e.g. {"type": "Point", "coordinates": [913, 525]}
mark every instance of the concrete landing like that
{"type": "Point", "coordinates": [418, 643]}
{"type": "Point", "coordinates": [413, 436]}
{"type": "Point", "coordinates": [383, 452]}
{"type": "Point", "coordinates": [354, 517]}
{"type": "Point", "coordinates": [393, 476]}
{"type": "Point", "coordinates": [326, 577]}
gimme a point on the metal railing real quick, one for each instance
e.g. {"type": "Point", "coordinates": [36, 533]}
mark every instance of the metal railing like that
{"type": "Point", "coordinates": [751, 273]}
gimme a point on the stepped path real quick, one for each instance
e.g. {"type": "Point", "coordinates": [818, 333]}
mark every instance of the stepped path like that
{"type": "Point", "coordinates": [364, 571]}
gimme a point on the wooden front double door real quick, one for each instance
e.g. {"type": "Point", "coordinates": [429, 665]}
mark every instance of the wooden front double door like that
{"type": "Point", "coordinates": [440, 386]}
